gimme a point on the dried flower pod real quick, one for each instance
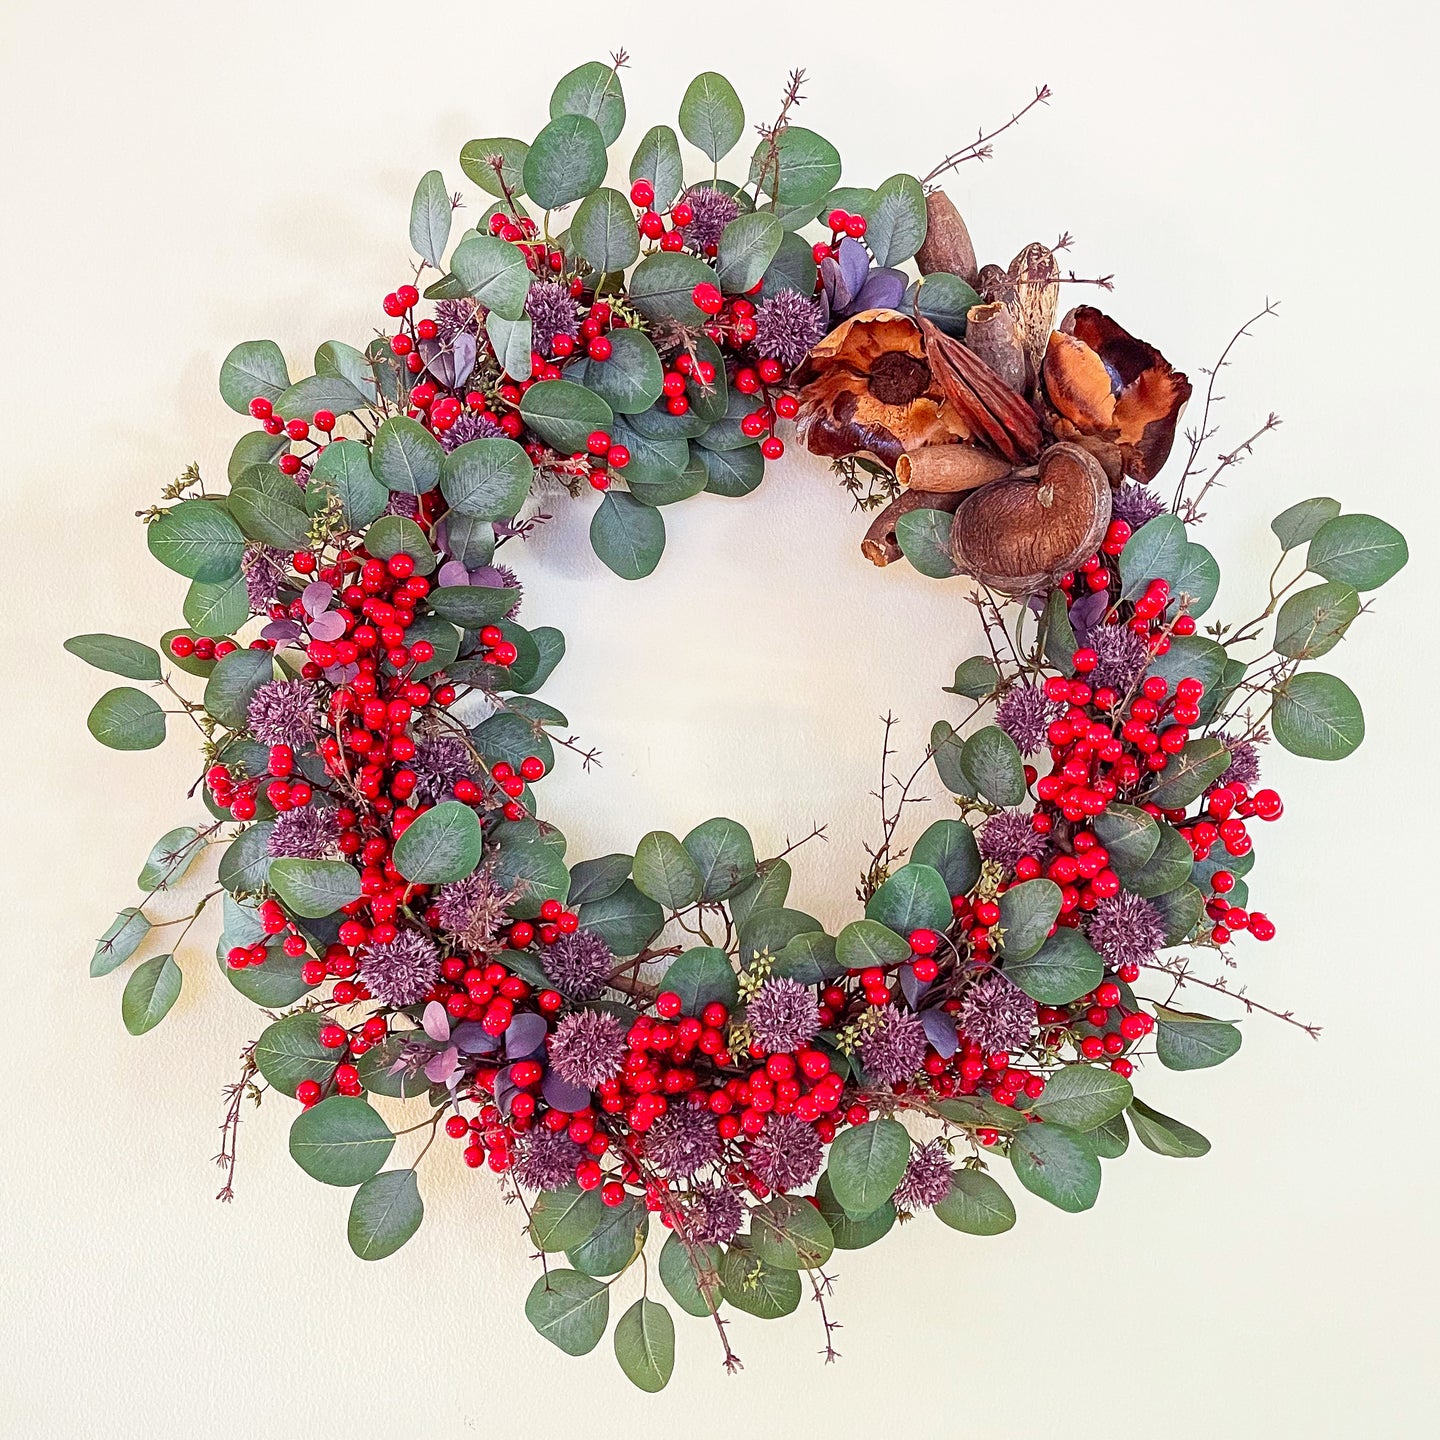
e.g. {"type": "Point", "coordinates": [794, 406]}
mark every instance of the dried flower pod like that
{"type": "Point", "coordinates": [1036, 277]}
{"type": "Point", "coordinates": [992, 334]}
{"type": "Point", "coordinates": [947, 244]}
{"type": "Point", "coordinates": [880, 545]}
{"type": "Point", "coordinates": [949, 468]}
{"type": "Point", "coordinates": [1018, 535]}
{"type": "Point", "coordinates": [996, 287]}
{"type": "Point", "coordinates": [990, 411]}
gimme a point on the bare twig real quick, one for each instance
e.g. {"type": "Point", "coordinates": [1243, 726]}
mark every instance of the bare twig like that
{"type": "Point", "coordinates": [982, 148]}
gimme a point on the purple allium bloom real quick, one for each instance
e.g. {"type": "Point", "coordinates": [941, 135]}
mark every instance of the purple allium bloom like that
{"type": "Point", "coordinates": [895, 1049]}
{"type": "Point", "coordinates": [926, 1180]}
{"type": "Point", "coordinates": [468, 427]}
{"type": "Point", "coordinates": [1025, 715]}
{"type": "Point", "coordinates": [1126, 929]}
{"type": "Point", "coordinates": [439, 761]}
{"type": "Point", "coordinates": [282, 712]}
{"type": "Point", "coordinates": [547, 1159]}
{"type": "Point", "coordinates": [265, 572]}
{"type": "Point", "coordinates": [786, 1153]}
{"type": "Point", "coordinates": [783, 1015]}
{"type": "Point", "coordinates": [1135, 505]}
{"type": "Point", "coordinates": [587, 1047]}
{"type": "Point", "coordinates": [1008, 837]}
{"type": "Point", "coordinates": [711, 211]}
{"type": "Point", "coordinates": [552, 311]}
{"type": "Point", "coordinates": [1123, 657]}
{"type": "Point", "coordinates": [472, 910]}
{"type": "Point", "coordinates": [1244, 767]}
{"type": "Point", "coordinates": [402, 503]}
{"type": "Point", "coordinates": [683, 1140]}
{"type": "Point", "coordinates": [713, 1214]}
{"type": "Point", "coordinates": [579, 965]}
{"type": "Point", "coordinates": [402, 971]}
{"type": "Point", "coordinates": [787, 326]}
{"type": "Point", "coordinates": [997, 1015]}
{"type": "Point", "coordinates": [453, 316]}
{"type": "Point", "coordinates": [307, 833]}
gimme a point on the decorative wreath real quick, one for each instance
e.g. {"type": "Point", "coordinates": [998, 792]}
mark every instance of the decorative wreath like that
{"type": "Point", "coordinates": [659, 1037]}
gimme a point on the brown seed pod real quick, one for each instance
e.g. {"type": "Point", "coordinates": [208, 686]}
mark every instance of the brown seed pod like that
{"type": "Point", "coordinates": [880, 545]}
{"type": "Point", "coordinates": [991, 333]}
{"type": "Point", "coordinates": [1019, 535]}
{"type": "Point", "coordinates": [947, 244]}
{"type": "Point", "coordinates": [949, 468]}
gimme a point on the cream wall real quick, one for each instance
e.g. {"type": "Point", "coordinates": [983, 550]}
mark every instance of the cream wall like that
{"type": "Point", "coordinates": [177, 177]}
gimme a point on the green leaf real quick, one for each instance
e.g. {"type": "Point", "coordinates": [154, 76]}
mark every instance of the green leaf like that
{"type": "Point", "coordinates": [1193, 656]}
{"type": "Point", "coordinates": [1317, 716]}
{"type": "Point", "coordinates": [1057, 1164]}
{"type": "Point", "coordinates": [384, 1213]}
{"type": "Point", "coordinates": [313, 889]}
{"type": "Point", "coordinates": [245, 865]}
{"type": "Point", "coordinates": [793, 268]}
{"type": "Point", "coordinates": [1028, 911]}
{"type": "Point", "coordinates": [569, 1309]}
{"type": "Point", "coordinates": [1193, 1042]}
{"type": "Point", "coordinates": [749, 1284]}
{"type": "Point", "coordinates": [1180, 909]}
{"type": "Point", "coordinates": [852, 1232]}
{"type": "Point", "coordinates": [1357, 550]}
{"type": "Point", "coordinates": [270, 519]}
{"type": "Point", "coordinates": [562, 1219]}
{"type": "Point", "coordinates": [473, 606]}
{"type": "Point", "coordinates": [712, 118]}
{"type": "Point", "coordinates": [766, 892]}
{"type": "Point", "coordinates": [253, 368]}
{"type": "Point", "coordinates": [343, 470]}
{"type": "Point", "coordinates": [809, 958]}
{"type": "Point", "coordinates": [1063, 969]}
{"type": "Point", "coordinates": [1300, 523]}
{"type": "Point", "coordinates": [1129, 835]}
{"type": "Point", "coordinates": [975, 678]}
{"type": "Point", "coordinates": [790, 1233]}
{"type": "Point", "coordinates": [233, 683]}
{"type": "Point", "coordinates": [1190, 773]}
{"type": "Point", "coordinates": [430, 220]}
{"type": "Point", "coordinates": [254, 447]}
{"type": "Point", "coordinates": [1199, 579]}
{"type": "Point", "coordinates": [290, 1051]}
{"type": "Point", "coordinates": [1315, 620]}
{"type": "Point", "coordinates": [773, 930]}
{"type": "Point", "coordinates": [598, 879]}
{"type": "Point", "coordinates": [340, 1141]}
{"type": "Point", "coordinates": [153, 987]}
{"type": "Point", "coordinates": [809, 166]}
{"type": "Point", "coordinates": [216, 610]}
{"type": "Point", "coordinates": [1110, 1140]}
{"type": "Point", "coordinates": [697, 1295]}
{"type": "Point", "coordinates": [896, 222]}
{"type": "Point", "coordinates": [494, 272]}
{"type": "Point", "coordinates": [566, 162]}
{"type": "Point", "coordinates": [441, 845]}
{"type": "Point", "coordinates": [475, 161]}
{"type": "Point", "coordinates": [395, 535]}
{"type": "Point", "coordinates": [657, 159]}
{"type": "Point", "coordinates": [947, 749]}
{"type": "Point", "coordinates": [1083, 1097]}
{"type": "Point", "coordinates": [645, 1344]}
{"type": "Point", "coordinates": [117, 655]}
{"type": "Point", "coordinates": [992, 764]}
{"type": "Point", "coordinates": [487, 479]}
{"type": "Point", "coordinates": [701, 975]}
{"type": "Point", "coordinates": [405, 456]}
{"type": "Point", "coordinates": [867, 1163]}
{"type": "Point", "coordinates": [723, 854]}
{"type": "Point", "coordinates": [943, 299]}
{"type": "Point", "coordinates": [949, 847]}
{"type": "Point", "coordinates": [630, 381]}
{"type": "Point", "coordinates": [127, 719]}
{"type": "Point", "coordinates": [665, 872]}
{"type": "Point", "coordinates": [863, 943]}
{"type": "Point", "coordinates": [747, 246]}
{"type": "Point", "coordinates": [563, 414]}
{"type": "Point", "coordinates": [626, 920]}
{"type": "Point", "coordinates": [513, 342]}
{"type": "Point", "coordinates": [197, 539]}
{"type": "Point", "coordinates": [979, 1111]}
{"type": "Point", "coordinates": [627, 535]}
{"type": "Point", "coordinates": [1171, 1138]}
{"type": "Point", "coordinates": [1156, 551]}
{"type": "Point", "coordinates": [122, 938]}
{"type": "Point", "coordinates": [604, 232]}
{"type": "Point", "coordinates": [170, 857]}
{"type": "Point", "coordinates": [924, 539]}
{"type": "Point", "coordinates": [324, 392]}
{"type": "Point", "coordinates": [592, 90]}
{"type": "Point", "coordinates": [1168, 868]}
{"type": "Point", "coordinates": [914, 897]}
{"type": "Point", "coordinates": [661, 286]}
{"type": "Point", "coordinates": [976, 1205]}
{"type": "Point", "coordinates": [273, 985]}
{"type": "Point", "coordinates": [618, 1234]}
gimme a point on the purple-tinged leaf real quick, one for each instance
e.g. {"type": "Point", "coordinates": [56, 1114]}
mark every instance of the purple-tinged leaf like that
{"type": "Point", "coordinates": [525, 1035]}
{"type": "Point", "coordinates": [452, 572]}
{"type": "Point", "coordinates": [439, 362]}
{"type": "Point", "coordinates": [883, 290]}
{"type": "Point", "coordinates": [463, 351]}
{"type": "Point", "coordinates": [832, 279]}
{"type": "Point", "coordinates": [505, 1089]}
{"type": "Point", "coordinates": [342, 674]}
{"type": "Point", "coordinates": [912, 988]}
{"type": "Point", "coordinates": [474, 1039]}
{"type": "Point", "coordinates": [328, 626]}
{"type": "Point", "coordinates": [1087, 612]}
{"type": "Point", "coordinates": [940, 1032]}
{"type": "Point", "coordinates": [442, 1068]}
{"type": "Point", "coordinates": [282, 632]}
{"type": "Point", "coordinates": [436, 1021]}
{"type": "Point", "coordinates": [854, 264]}
{"type": "Point", "coordinates": [316, 597]}
{"type": "Point", "coordinates": [561, 1095]}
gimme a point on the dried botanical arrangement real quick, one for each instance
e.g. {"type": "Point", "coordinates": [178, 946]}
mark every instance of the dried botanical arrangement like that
{"type": "Point", "coordinates": [657, 1044]}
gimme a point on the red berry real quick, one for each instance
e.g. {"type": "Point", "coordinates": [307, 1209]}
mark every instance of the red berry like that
{"type": "Point", "coordinates": [642, 193]}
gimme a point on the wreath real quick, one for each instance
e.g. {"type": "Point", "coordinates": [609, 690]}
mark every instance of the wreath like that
{"type": "Point", "coordinates": [659, 1041]}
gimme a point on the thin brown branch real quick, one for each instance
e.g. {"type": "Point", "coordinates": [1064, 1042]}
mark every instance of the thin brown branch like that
{"type": "Point", "coordinates": [982, 147]}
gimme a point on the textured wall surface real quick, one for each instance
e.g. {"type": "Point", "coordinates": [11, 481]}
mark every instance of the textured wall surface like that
{"type": "Point", "coordinates": [178, 177]}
